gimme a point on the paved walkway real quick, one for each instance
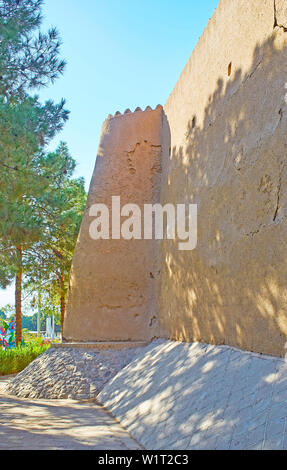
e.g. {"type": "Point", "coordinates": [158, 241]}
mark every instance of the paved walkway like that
{"type": "Point", "coordinates": [195, 396]}
{"type": "Point", "coordinates": [61, 424]}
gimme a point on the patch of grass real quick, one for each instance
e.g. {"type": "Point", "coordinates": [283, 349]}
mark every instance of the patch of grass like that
{"type": "Point", "coordinates": [15, 360]}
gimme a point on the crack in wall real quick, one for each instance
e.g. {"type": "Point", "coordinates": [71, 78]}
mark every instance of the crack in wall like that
{"type": "Point", "coordinates": [153, 320]}
{"type": "Point", "coordinates": [264, 226]}
{"type": "Point", "coordinates": [279, 191]}
{"type": "Point", "coordinates": [275, 217]}
{"type": "Point", "coordinates": [278, 197]}
{"type": "Point", "coordinates": [248, 76]}
{"type": "Point", "coordinates": [188, 134]}
{"type": "Point", "coordinates": [277, 22]}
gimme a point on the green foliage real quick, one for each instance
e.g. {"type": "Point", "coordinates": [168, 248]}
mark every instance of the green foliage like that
{"type": "Point", "coordinates": [49, 260]}
{"type": "Point", "coordinates": [15, 360]}
{"type": "Point", "coordinates": [29, 322]}
{"type": "Point", "coordinates": [8, 311]}
{"type": "Point", "coordinates": [7, 268]}
{"type": "Point", "coordinates": [29, 58]}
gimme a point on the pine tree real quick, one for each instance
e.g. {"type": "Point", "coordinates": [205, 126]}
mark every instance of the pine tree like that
{"type": "Point", "coordinates": [29, 59]}
{"type": "Point", "coordinates": [62, 206]}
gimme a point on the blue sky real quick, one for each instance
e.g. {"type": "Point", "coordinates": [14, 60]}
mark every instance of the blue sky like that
{"type": "Point", "coordinates": [120, 54]}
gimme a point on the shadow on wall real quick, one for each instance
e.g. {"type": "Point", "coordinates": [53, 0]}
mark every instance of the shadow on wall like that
{"type": "Point", "coordinates": [233, 288]}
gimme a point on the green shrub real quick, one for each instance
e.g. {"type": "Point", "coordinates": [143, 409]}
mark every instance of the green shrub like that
{"type": "Point", "coordinates": [14, 360]}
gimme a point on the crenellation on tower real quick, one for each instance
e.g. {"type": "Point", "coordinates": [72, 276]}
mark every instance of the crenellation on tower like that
{"type": "Point", "coordinates": [137, 110]}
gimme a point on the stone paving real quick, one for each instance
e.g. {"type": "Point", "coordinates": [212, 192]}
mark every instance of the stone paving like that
{"type": "Point", "coordinates": [195, 396]}
{"type": "Point", "coordinates": [72, 373]}
{"type": "Point", "coordinates": [59, 425]}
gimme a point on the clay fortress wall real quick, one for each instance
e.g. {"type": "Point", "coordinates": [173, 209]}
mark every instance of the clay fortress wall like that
{"type": "Point", "coordinates": [220, 142]}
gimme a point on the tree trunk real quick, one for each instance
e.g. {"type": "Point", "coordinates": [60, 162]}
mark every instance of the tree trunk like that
{"type": "Point", "coordinates": [39, 313]}
{"type": "Point", "coordinates": [63, 303]}
{"type": "Point", "coordinates": [18, 298]}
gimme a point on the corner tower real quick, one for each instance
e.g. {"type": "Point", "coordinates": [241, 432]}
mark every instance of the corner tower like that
{"type": "Point", "coordinates": [113, 283]}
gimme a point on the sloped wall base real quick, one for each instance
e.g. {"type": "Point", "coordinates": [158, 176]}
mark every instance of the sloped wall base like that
{"type": "Point", "coordinates": [195, 396]}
